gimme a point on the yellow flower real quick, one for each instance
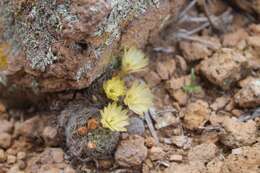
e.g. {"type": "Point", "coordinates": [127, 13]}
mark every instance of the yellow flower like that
{"type": "Point", "coordinates": [139, 98]}
{"type": "Point", "coordinates": [133, 60]}
{"type": "Point", "coordinates": [114, 88]}
{"type": "Point", "coordinates": [114, 118]}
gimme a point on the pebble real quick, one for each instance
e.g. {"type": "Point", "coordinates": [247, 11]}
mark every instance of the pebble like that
{"type": "Point", "coordinates": [156, 153]}
{"type": "Point", "coordinates": [182, 141]}
{"type": "Point", "coordinates": [203, 152]}
{"type": "Point", "coordinates": [6, 126]}
{"type": "Point", "coordinates": [131, 152]}
{"type": "Point", "coordinates": [196, 114]}
{"type": "Point", "coordinates": [21, 164]}
{"type": "Point", "coordinates": [165, 120]}
{"type": "Point", "coordinates": [176, 158]}
{"type": "Point", "coordinates": [2, 156]}
{"type": "Point", "coordinates": [21, 155]}
{"type": "Point", "coordinates": [69, 170]}
{"type": "Point", "coordinates": [136, 126]}
{"type": "Point", "coordinates": [2, 108]}
{"type": "Point", "coordinates": [15, 169]}
{"type": "Point", "coordinates": [150, 142]}
{"type": "Point", "coordinates": [11, 159]}
{"type": "Point", "coordinates": [57, 155]}
{"type": "Point", "coordinates": [50, 136]}
{"type": "Point", "coordinates": [5, 140]}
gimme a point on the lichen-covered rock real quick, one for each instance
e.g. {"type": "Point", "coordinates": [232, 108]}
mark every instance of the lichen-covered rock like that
{"type": "Point", "coordinates": [196, 114]}
{"type": "Point", "coordinates": [224, 68]}
{"type": "Point", "coordinates": [131, 152]}
{"type": "Point", "coordinates": [60, 45]}
{"type": "Point", "coordinates": [248, 160]}
{"type": "Point", "coordinates": [249, 95]}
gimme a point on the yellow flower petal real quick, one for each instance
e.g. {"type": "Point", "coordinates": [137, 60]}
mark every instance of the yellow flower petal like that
{"type": "Point", "coordinates": [139, 98]}
{"type": "Point", "coordinates": [114, 118]}
{"type": "Point", "coordinates": [114, 88]}
{"type": "Point", "coordinates": [133, 60]}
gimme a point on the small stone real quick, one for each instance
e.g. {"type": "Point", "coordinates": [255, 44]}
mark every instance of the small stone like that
{"type": "Point", "coordinates": [5, 140]}
{"type": "Point", "coordinates": [178, 83]}
{"type": "Point", "coordinates": [203, 152]}
{"type": "Point", "coordinates": [68, 169]}
{"type": "Point", "coordinates": [15, 169]}
{"type": "Point", "coordinates": [150, 142]}
{"type": "Point", "coordinates": [237, 112]}
{"type": "Point", "coordinates": [156, 153]}
{"type": "Point", "coordinates": [136, 126]}
{"type": "Point", "coordinates": [11, 159]}
{"type": "Point", "coordinates": [21, 155]}
{"type": "Point", "coordinates": [233, 38]}
{"type": "Point", "coordinates": [238, 133]}
{"type": "Point", "coordinates": [165, 120]}
{"type": "Point", "coordinates": [230, 105]}
{"type": "Point", "coordinates": [6, 126]}
{"type": "Point", "coordinates": [220, 103]}
{"type": "Point", "coordinates": [175, 88]}
{"type": "Point", "coordinates": [105, 164]}
{"type": "Point", "coordinates": [182, 63]}
{"type": "Point", "coordinates": [30, 127]}
{"type": "Point", "coordinates": [145, 169]}
{"type": "Point", "coordinates": [244, 82]}
{"type": "Point", "coordinates": [193, 51]}
{"type": "Point", "coordinates": [225, 67]}
{"type": "Point", "coordinates": [196, 114]}
{"type": "Point", "coordinates": [176, 158]}
{"type": "Point", "coordinates": [192, 167]}
{"type": "Point", "coordinates": [182, 141]}
{"type": "Point", "coordinates": [131, 152]}
{"type": "Point", "coordinates": [236, 151]}
{"type": "Point", "coordinates": [166, 68]}
{"type": "Point", "coordinates": [50, 136]}
{"type": "Point", "coordinates": [245, 162]}
{"type": "Point", "coordinates": [249, 96]}
{"type": "Point", "coordinates": [255, 28]}
{"type": "Point", "coordinates": [2, 108]}
{"type": "Point", "coordinates": [57, 155]}
{"type": "Point", "coordinates": [152, 78]}
{"type": "Point", "coordinates": [21, 164]}
{"type": "Point", "coordinates": [3, 156]}
{"type": "Point", "coordinates": [254, 41]}
{"type": "Point", "coordinates": [215, 165]}
{"type": "Point", "coordinates": [180, 96]}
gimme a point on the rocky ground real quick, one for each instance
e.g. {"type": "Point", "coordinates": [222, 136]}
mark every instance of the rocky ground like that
{"type": "Point", "coordinates": [206, 114]}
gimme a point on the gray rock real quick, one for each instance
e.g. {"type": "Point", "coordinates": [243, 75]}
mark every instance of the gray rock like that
{"type": "Point", "coordinates": [5, 140]}
{"type": "Point", "coordinates": [136, 126]}
{"type": "Point", "coordinates": [131, 152]}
